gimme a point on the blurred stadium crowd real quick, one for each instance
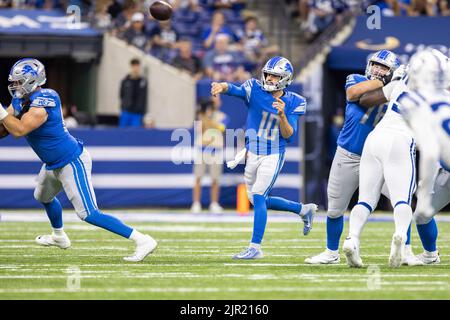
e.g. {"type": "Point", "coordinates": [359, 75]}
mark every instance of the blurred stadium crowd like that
{"type": "Point", "coordinates": [219, 39]}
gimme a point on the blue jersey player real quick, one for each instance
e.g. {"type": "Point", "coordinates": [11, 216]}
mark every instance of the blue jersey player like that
{"type": "Point", "coordinates": [360, 120]}
{"type": "Point", "coordinates": [35, 113]}
{"type": "Point", "coordinates": [273, 114]}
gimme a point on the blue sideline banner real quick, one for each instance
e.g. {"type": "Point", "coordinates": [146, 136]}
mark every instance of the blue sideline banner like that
{"type": "Point", "coordinates": [402, 35]}
{"type": "Point", "coordinates": [133, 168]}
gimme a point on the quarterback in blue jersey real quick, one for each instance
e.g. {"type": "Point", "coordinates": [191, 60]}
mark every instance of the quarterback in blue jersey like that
{"type": "Point", "coordinates": [273, 114]}
{"type": "Point", "coordinates": [35, 113]}
{"type": "Point", "coordinates": [360, 120]}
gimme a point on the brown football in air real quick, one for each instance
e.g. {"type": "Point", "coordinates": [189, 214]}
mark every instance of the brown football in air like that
{"type": "Point", "coordinates": [161, 10]}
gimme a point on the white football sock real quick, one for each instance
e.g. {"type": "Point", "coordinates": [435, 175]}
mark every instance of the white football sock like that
{"type": "Point", "coordinates": [357, 221]}
{"type": "Point", "coordinates": [255, 245]}
{"type": "Point", "coordinates": [58, 231]}
{"type": "Point", "coordinates": [136, 236]}
{"type": "Point", "coordinates": [402, 218]}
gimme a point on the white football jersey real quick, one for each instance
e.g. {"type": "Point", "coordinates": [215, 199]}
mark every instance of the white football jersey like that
{"type": "Point", "coordinates": [432, 110]}
{"type": "Point", "coordinates": [393, 119]}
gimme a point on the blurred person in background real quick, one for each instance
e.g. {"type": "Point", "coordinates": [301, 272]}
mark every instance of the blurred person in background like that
{"type": "Point", "coordinates": [69, 117]}
{"type": "Point", "coordinates": [256, 47]}
{"type": "Point", "coordinates": [135, 34]}
{"type": "Point", "coordinates": [115, 8]}
{"type": "Point", "coordinates": [123, 19]}
{"type": "Point", "coordinates": [444, 7]}
{"type": "Point", "coordinates": [211, 122]}
{"type": "Point", "coordinates": [103, 19]}
{"type": "Point", "coordinates": [164, 41]}
{"type": "Point", "coordinates": [185, 5]}
{"type": "Point", "coordinates": [422, 7]}
{"type": "Point", "coordinates": [187, 61]}
{"type": "Point", "coordinates": [133, 96]}
{"type": "Point", "coordinates": [222, 64]}
{"type": "Point", "coordinates": [216, 28]}
{"type": "Point", "coordinates": [235, 5]}
{"type": "Point", "coordinates": [321, 15]}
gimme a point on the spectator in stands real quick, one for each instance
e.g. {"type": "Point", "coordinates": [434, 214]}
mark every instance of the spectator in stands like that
{"type": "Point", "coordinates": [164, 41]}
{"type": "Point", "coordinates": [135, 34]}
{"type": "Point", "coordinates": [103, 19]}
{"type": "Point", "coordinates": [255, 45]}
{"type": "Point", "coordinates": [421, 7]}
{"type": "Point", "coordinates": [133, 95]}
{"type": "Point", "coordinates": [114, 8]}
{"type": "Point", "coordinates": [216, 28]}
{"type": "Point", "coordinates": [222, 64]}
{"type": "Point", "coordinates": [235, 5]}
{"type": "Point", "coordinates": [185, 60]}
{"type": "Point", "coordinates": [192, 5]}
{"type": "Point", "coordinates": [123, 20]}
{"type": "Point", "coordinates": [209, 152]}
{"type": "Point", "coordinates": [444, 7]}
{"type": "Point", "coordinates": [321, 15]}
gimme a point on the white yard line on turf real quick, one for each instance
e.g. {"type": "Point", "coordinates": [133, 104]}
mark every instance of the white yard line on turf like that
{"type": "Point", "coordinates": [221, 290]}
{"type": "Point", "coordinates": [39, 216]}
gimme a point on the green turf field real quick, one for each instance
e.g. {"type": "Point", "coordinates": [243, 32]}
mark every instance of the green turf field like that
{"type": "Point", "coordinates": [193, 261]}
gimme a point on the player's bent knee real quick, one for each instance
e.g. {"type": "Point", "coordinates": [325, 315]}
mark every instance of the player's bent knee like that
{"type": "Point", "coordinates": [422, 218]}
{"type": "Point", "coordinates": [82, 215]}
{"type": "Point", "coordinates": [40, 196]}
{"type": "Point", "coordinates": [333, 214]}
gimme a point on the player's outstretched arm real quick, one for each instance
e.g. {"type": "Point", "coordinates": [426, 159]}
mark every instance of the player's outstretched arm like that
{"type": "Point", "coordinates": [218, 88]}
{"type": "Point", "coordinates": [355, 92]}
{"type": "Point", "coordinates": [383, 94]}
{"type": "Point", "coordinates": [372, 98]}
{"type": "Point", "coordinates": [230, 89]}
{"type": "Point", "coordinates": [30, 121]}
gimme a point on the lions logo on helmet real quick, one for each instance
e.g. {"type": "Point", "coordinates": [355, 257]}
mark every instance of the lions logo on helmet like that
{"type": "Point", "coordinates": [26, 75]}
{"type": "Point", "coordinates": [384, 57]}
{"type": "Point", "coordinates": [277, 66]}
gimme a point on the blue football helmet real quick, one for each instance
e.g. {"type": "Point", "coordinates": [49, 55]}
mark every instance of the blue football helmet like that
{"type": "Point", "coordinates": [26, 75]}
{"type": "Point", "coordinates": [384, 57]}
{"type": "Point", "coordinates": [281, 67]}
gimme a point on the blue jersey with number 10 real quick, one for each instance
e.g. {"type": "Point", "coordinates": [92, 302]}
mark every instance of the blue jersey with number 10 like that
{"type": "Point", "coordinates": [359, 122]}
{"type": "Point", "coordinates": [263, 134]}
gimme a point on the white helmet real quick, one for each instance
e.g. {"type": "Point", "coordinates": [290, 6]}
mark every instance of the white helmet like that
{"type": "Point", "coordinates": [281, 67]}
{"type": "Point", "coordinates": [26, 74]}
{"type": "Point", "coordinates": [429, 70]}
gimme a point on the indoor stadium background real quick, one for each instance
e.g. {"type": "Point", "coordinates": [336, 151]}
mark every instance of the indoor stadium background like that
{"type": "Point", "coordinates": [87, 57]}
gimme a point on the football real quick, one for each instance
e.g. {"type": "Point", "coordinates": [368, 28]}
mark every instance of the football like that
{"type": "Point", "coordinates": [161, 10]}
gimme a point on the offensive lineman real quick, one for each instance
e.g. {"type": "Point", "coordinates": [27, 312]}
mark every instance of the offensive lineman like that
{"type": "Point", "coordinates": [388, 157]}
{"type": "Point", "coordinates": [360, 120]}
{"type": "Point", "coordinates": [426, 108]}
{"type": "Point", "coordinates": [273, 114]}
{"type": "Point", "coordinates": [35, 113]}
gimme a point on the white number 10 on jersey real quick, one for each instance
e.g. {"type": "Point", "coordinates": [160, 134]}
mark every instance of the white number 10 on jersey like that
{"type": "Point", "coordinates": [268, 127]}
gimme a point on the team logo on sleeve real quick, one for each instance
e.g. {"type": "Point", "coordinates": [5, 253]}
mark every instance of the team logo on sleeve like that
{"type": "Point", "coordinates": [43, 102]}
{"type": "Point", "coordinates": [300, 109]}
